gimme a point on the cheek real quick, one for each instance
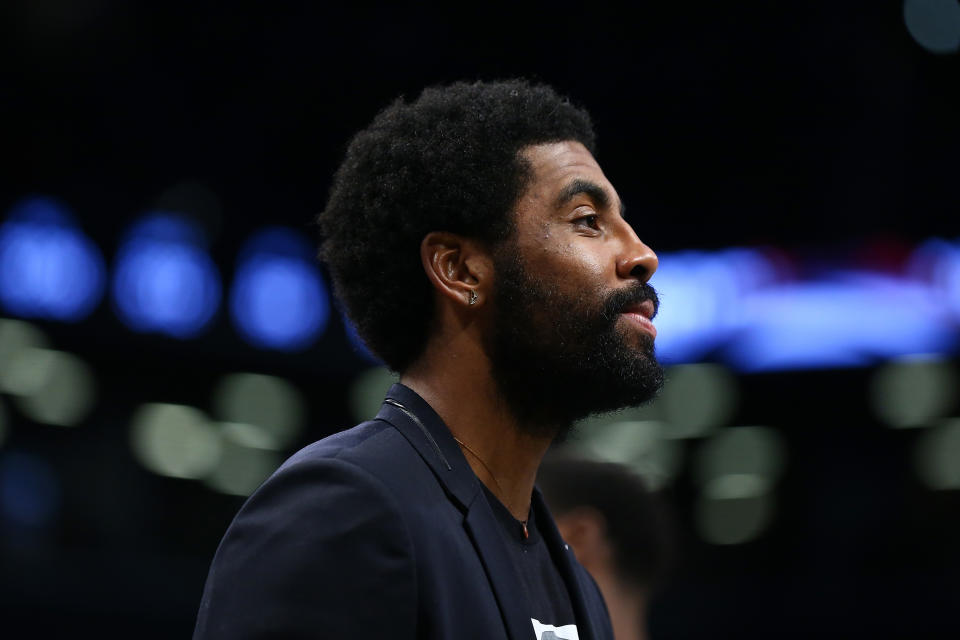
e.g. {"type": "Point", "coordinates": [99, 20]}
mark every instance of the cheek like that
{"type": "Point", "coordinates": [567, 263]}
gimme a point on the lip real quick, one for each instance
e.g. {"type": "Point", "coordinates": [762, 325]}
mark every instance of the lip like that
{"type": "Point", "coordinates": [640, 315]}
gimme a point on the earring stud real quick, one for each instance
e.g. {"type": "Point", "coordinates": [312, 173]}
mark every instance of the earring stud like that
{"type": "Point", "coordinates": [473, 297]}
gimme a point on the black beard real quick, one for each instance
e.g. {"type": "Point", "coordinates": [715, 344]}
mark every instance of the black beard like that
{"type": "Point", "coordinates": [557, 358]}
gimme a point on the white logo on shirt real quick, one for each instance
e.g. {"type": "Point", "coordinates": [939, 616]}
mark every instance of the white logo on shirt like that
{"type": "Point", "coordinates": [549, 632]}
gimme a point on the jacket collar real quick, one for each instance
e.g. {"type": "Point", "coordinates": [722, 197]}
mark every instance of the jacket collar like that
{"type": "Point", "coordinates": [425, 430]}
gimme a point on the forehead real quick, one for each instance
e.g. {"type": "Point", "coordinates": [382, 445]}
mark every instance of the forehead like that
{"type": "Point", "coordinates": [555, 166]}
{"type": "Point", "coordinates": [554, 160]}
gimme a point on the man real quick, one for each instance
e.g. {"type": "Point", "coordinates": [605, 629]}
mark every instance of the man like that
{"type": "Point", "coordinates": [482, 254]}
{"type": "Point", "coordinates": [618, 530]}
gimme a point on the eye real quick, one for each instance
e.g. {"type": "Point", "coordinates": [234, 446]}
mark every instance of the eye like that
{"type": "Point", "coordinates": [590, 221]}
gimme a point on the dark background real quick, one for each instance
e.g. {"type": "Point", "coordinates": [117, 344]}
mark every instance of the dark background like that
{"type": "Point", "coordinates": [820, 127]}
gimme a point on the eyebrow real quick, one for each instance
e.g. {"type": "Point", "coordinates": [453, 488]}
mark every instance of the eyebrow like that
{"type": "Point", "coordinates": [585, 187]}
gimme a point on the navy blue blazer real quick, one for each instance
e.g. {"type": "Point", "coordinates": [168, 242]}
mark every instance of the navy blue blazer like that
{"type": "Point", "coordinates": [381, 531]}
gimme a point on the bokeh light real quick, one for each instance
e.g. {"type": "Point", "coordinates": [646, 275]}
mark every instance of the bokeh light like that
{"type": "Point", "coordinates": [911, 392]}
{"type": "Point", "coordinates": [844, 321]}
{"type": "Point", "coordinates": [934, 24]}
{"type": "Point", "coordinates": [698, 299]}
{"type": "Point", "coordinates": [50, 387]}
{"type": "Point", "coordinates": [937, 456]}
{"type": "Point", "coordinates": [733, 520]}
{"type": "Point", "coordinates": [741, 451]}
{"type": "Point", "coordinates": [165, 282]}
{"type": "Point", "coordinates": [247, 458]}
{"type": "Point", "coordinates": [15, 336]}
{"type": "Point", "coordinates": [626, 438]}
{"type": "Point", "coordinates": [737, 469]}
{"type": "Point", "coordinates": [175, 440]}
{"type": "Point", "coordinates": [368, 390]}
{"type": "Point", "coordinates": [937, 262]}
{"type": "Point", "coordinates": [270, 403]}
{"type": "Point", "coordinates": [697, 398]}
{"type": "Point", "coordinates": [48, 268]}
{"type": "Point", "coordinates": [30, 493]}
{"type": "Point", "coordinates": [279, 300]}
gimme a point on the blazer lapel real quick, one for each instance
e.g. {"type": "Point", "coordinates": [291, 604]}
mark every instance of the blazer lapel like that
{"type": "Point", "coordinates": [424, 429]}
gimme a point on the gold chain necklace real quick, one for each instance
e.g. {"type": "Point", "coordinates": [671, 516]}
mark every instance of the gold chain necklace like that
{"type": "Point", "coordinates": [523, 523]}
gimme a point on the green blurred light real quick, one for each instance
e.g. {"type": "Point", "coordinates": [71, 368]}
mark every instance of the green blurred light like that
{"type": "Point", "coordinates": [913, 392]}
{"type": "Point", "coordinates": [269, 402]}
{"type": "Point", "coordinates": [368, 391]}
{"type": "Point", "coordinates": [937, 456]}
{"type": "Point", "coordinates": [16, 336]}
{"type": "Point", "coordinates": [637, 444]}
{"type": "Point", "coordinates": [733, 486]}
{"type": "Point", "coordinates": [175, 440]}
{"type": "Point", "coordinates": [729, 521]}
{"type": "Point", "coordinates": [52, 387]}
{"type": "Point", "coordinates": [697, 398]}
{"type": "Point", "coordinates": [749, 451]}
{"type": "Point", "coordinates": [246, 459]}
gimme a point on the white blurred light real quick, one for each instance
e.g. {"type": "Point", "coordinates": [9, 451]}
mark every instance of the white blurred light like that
{"type": "Point", "coordinates": [368, 390]}
{"type": "Point", "coordinates": [937, 456]}
{"type": "Point", "coordinates": [269, 402]}
{"type": "Point", "coordinates": [52, 387]}
{"type": "Point", "coordinates": [934, 24]}
{"type": "Point", "coordinates": [637, 444]}
{"type": "Point", "coordinates": [733, 486]}
{"type": "Point", "coordinates": [737, 520]}
{"type": "Point", "coordinates": [15, 336]}
{"type": "Point", "coordinates": [751, 451]}
{"type": "Point", "coordinates": [175, 440]}
{"type": "Point", "coordinates": [912, 392]}
{"type": "Point", "coordinates": [246, 459]}
{"type": "Point", "coordinates": [697, 398]}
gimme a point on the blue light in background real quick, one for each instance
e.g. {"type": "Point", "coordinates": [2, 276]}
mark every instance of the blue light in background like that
{"type": "Point", "coordinates": [938, 262]}
{"type": "Point", "coordinates": [48, 267]}
{"type": "Point", "coordinates": [29, 491]}
{"type": "Point", "coordinates": [851, 319]}
{"type": "Point", "coordinates": [279, 300]}
{"type": "Point", "coordinates": [699, 299]}
{"type": "Point", "coordinates": [165, 282]}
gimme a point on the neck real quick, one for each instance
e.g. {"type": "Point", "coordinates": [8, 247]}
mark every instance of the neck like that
{"type": "Point", "coordinates": [503, 455]}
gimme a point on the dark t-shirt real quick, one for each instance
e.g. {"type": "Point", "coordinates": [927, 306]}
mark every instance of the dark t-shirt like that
{"type": "Point", "coordinates": [551, 613]}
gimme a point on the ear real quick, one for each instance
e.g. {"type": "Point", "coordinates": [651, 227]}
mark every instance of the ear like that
{"type": "Point", "coordinates": [459, 268]}
{"type": "Point", "coordinates": [585, 529]}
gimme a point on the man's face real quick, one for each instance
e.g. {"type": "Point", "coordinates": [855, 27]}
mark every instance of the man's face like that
{"type": "Point", "coordinates": [572, 332]}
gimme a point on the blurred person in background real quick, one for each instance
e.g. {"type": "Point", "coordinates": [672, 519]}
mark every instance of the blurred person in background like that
{"type": "Point", "coordinates": [482, 253]}
{"type": "Point", "coordinates": [618, 530]}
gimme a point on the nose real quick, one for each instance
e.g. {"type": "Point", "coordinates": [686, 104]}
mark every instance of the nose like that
{"type": "Point", "coordinates": [637, 260]}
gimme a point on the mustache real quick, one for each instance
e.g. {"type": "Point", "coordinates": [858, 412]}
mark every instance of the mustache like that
{"type": "Point", "coordinates": [635, 294]}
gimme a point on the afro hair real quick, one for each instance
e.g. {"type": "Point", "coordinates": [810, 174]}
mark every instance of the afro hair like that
{"type": "Point", "coordinates": [447, 161]}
